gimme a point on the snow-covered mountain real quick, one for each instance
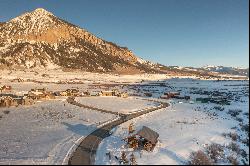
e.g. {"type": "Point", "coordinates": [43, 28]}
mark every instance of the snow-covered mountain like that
{"type": "Point", "coordinates": [214, 70]}
{"type": "Point", "coordinates": [228, 70]}
{"type": "Point", "coordinates": [38, 39]}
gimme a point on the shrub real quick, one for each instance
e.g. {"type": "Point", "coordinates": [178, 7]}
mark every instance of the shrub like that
{"type": "Point", "coordinates": [239, 119]}
{"type": "Point", "coordinates": [6, 112]}
{"type": "Point", "coordinates": [219, 108]}
{"type": "Point", "coordinates": [243, 153]}
{"type": "Point", "coordinates": [245, 128]}
{"type": "Point", "coordinates": [245, 141]}
{"type": "Point", "coordinates": [234, 147]}
{"type": "Point", "coordinates": [246, 114]}
{"type": "Point", "coordinates": [215, 152]}
{"type": "Point", "coordinates": [233, 160]}
{"type": "Point", "coordinates": [233, 136]}
{"type": "Point", "coordinates": [234, 112]}
{"type": "Point", "coordinates": [199, 158]}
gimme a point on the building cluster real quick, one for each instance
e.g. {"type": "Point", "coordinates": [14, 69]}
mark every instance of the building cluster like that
{"type": "Point", "coordinates": [14, 100]}
{"type": "Point", "coordinates": [77, 93]}
{"type": "Point", "coordinates": [8, 99]}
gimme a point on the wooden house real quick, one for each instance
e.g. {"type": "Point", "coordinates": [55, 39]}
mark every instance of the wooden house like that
{"type": "Point", "coordinates": [123, 94]}
{"type": "Point", "coordinates": [148, 94]}
{"type": "Point", "coordinates": [148, 138]}
{"type": "Point", "coordinates": [164, 97]}
{"type": "Point", "coordinates": [8, 101]}
{"type": "Point", "coordinates": [115, 92]}
{"type": "Point", "coordinates": [37, 94]}
{"type": "Point", "coordinates": [5, 88]}
{"type": "Point", "coordinates": [107, 93]}
{"type": "Point", "coordinates": [63, 93]}
{"type": "Point", "coordinates": [145, 139]}
{"type": "Point", "coordinates": [95, 93]}
{"type": "Point", "coordinates": [72, 92]}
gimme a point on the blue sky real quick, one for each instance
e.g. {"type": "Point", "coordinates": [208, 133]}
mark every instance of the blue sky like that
{"type": "Point", "coordinates": [171, 32]}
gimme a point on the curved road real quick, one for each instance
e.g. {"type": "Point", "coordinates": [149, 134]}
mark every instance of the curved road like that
{"type": "Point", "coordinates": [85, 152]}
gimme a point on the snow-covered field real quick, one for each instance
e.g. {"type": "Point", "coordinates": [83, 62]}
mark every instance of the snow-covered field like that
{"type": "Point", "coordinates": [117, 104]}
{"type": "Point", "coordinates": [186, 127]}
{"type": "Point", "coordinates": [43, 133]}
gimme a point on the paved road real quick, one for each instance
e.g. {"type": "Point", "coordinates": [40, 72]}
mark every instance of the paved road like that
{"type": "Point", "coordinates": [86, 151]}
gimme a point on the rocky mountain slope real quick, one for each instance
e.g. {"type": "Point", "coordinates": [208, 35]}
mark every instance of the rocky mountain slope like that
{"type": "Point", "coordinates": [39, 39]}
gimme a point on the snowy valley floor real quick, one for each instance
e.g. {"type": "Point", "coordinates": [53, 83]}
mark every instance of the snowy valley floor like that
{"type": "Point", "coordinates": [44, 133]}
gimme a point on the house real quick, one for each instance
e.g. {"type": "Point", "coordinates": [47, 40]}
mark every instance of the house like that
{"type": "Point", "coordinates": [5, 88]}
{"type": "Point", "coordinates": [57, 93]}
{"type": "Point", "coordinates": [164, 97]}
{"type": "Point", "coordinates": [63, 93]}
{"type": "Point", "coordinates": [148, 94]}
{"type": "Point", "coordinates": [115, 92]}
{"type": "Point", "coordinates": [171, 94]}
{"type": "Point", "coordinates": [181, 97]}
{"type": "Point", "coordinates": [123, 94]}
{"type": "Point", "coordinates": [39, 90]}
{"type": "Point", "coordinates": [107, 93]}
{"type": "Point", "coordinates": [7, 101]}
{"type": "Point", "coordinates": [37, 94]}
{"type": "Point", "coordinates": [72, 92]}
{"type": "Point", "coordinates": [95, 93]}
{"type": "Point", "coordinates": [149, 138]}
{"type": "Point", "coordinates": [48, 96]}
{"type": "Point", "coordinates": [85, 94]}
{"type": "Point", "coordinates": [27, 101]}
{"type": "Point", "coordinates": [145, 139]}
{"type": "Point", "coordinates": [13, 100]}
{"type": "Point", "coordinates": [22, 100]}
{"type": "Point", "coordinates": [203, 100]}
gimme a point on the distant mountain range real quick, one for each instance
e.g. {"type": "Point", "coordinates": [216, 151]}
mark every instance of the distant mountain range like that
{"type": "Point", "coordinates": [216, 70]}
{"type": "Point", "coordinates": [38, 39]}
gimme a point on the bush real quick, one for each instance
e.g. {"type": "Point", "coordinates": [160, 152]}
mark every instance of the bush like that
{"type": "Point", "coordinates": [233, 136]}
{"type": "Point", "coordinates": [233, 160]}
{"type": "Point", "coordinates": [234, 112]}
{"type": "Point", "coordinates": [234, 147]}
{"type": "Point", "coordinates": [245, 128]}
{"type": "Point", "coordinates": [199, 158]}
{"type": "Point", "coordinates": [215, 152]}
{"type": "Point", "coordinates": [245, 141]}
{"type": "Point", "coordinates": [6, 112]}
{"type": "Point", "coordinates": [243, 153]}
{"type": "Point", "coordinates": [219, 108]}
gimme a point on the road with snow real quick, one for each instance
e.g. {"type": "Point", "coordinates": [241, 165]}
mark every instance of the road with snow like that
{"type": "Point", "coordinates": [86, 151]}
